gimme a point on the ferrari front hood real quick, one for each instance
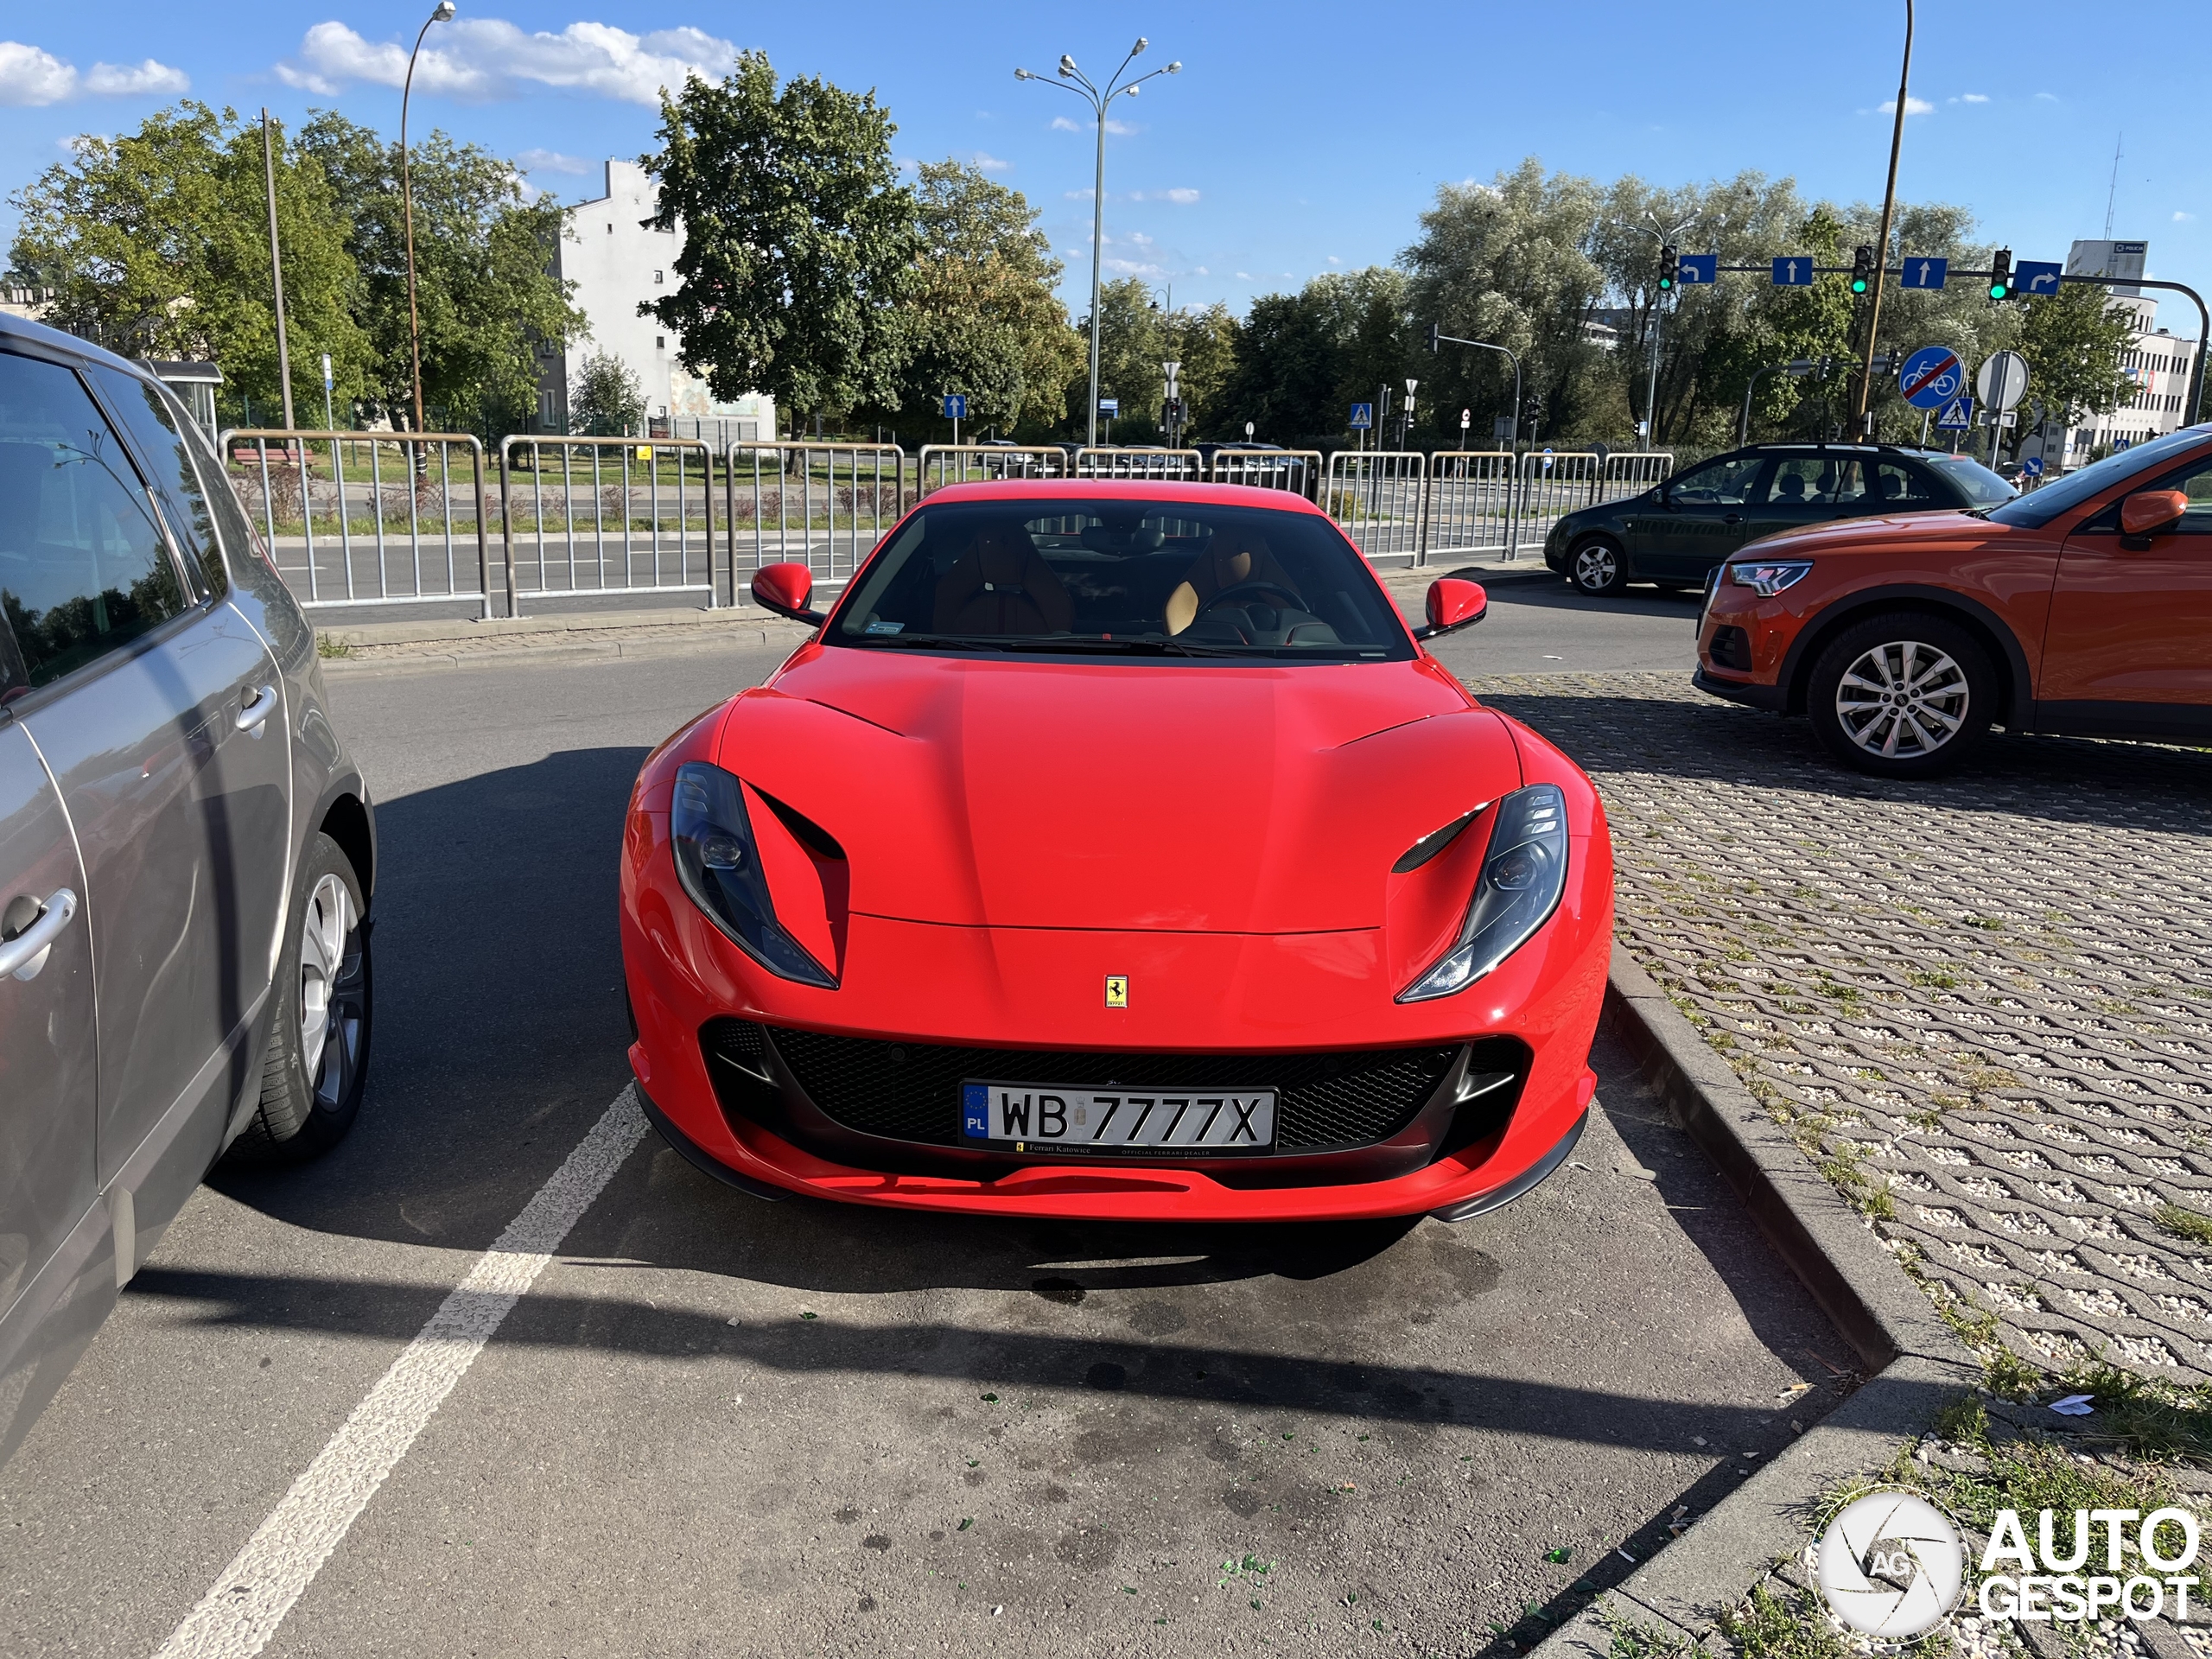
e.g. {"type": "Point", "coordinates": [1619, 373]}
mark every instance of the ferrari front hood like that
{"type": "Point", "coordinates": [1171, 796]}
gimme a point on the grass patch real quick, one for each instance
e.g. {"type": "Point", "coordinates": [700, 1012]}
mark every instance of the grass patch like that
{"type": "Point", "coordinates": [2183, 1223]}
{"type": "Point", "coordinates": [327, 646]}
{"type": "Point", "coordinates": [1781, 1626]}
{"type": "Point", "coordinates": [1933, 979]}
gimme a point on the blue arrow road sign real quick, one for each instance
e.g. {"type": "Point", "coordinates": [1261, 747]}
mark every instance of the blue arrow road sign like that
{"type": "Point", "coordinates": [1957, 415]}
{"type": "Point", "coordinates": [1794, 271]}
{"type": "Point", "coordinates": [2032, 467]}
{"type": "Point", "coordinates": [1363, 415]}
{"type": "Point", "coordinates": [2036, 276]}
{"type": "Point", "coordinates": [955, 406]}
{"type": "Point", "coordinates": [1923, 273]}
{"type": "Point", "coordinates": [1693, 268]}
{"type": "Point", "coordinates": [1931, 377]}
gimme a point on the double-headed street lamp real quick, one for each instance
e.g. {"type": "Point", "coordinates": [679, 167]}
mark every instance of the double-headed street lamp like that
{"type": "Point", "coordinates": [1074, 80]}
{"type": "Point", "coordinates": [443, 14]}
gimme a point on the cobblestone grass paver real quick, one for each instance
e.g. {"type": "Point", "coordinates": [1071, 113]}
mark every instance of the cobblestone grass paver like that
{"type": "Point", "coordinates": [1983, 1003]}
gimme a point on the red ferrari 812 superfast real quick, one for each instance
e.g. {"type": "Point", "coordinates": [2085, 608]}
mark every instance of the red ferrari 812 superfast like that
{"type": "Point", "coordinates": [1116, 851]}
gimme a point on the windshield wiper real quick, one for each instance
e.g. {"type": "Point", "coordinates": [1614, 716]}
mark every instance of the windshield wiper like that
{"type": "Point", "coordinates": [953, 641]}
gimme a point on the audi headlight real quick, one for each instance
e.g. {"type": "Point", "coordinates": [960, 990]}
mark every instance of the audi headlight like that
{"type": "Point", "coordinates": [719, 864]}
{"type": "Point", "coordinates": [1770, 576]}
{"type": "Point", "coordinates": [1523, 874]}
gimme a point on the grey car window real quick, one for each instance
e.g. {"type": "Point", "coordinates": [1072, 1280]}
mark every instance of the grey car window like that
{"type": "Point", "coordinates": [1726, 482]}
{"type": "Point", "coordinates": [83, 566]}
{"type": "Point", "coordinates": [1815, 481]}
{"type": "Point", "coordinates": [145, 420]}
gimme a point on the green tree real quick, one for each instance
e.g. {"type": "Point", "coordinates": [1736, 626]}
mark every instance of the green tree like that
{"type": "Point", "coordinates": [487, 300]}
{"type": "Point", "coordinates": [982, 316]}
{"type": "Point", "coordinates": [2074, 341]}
{"type": "Point", "coordinates": [799, 243]}
{"type": "Point", "coordinates": [157, 244]}
{"type": "Point", "coordinates": [1302, 359]}
{"type": "Point", "coordinates": [608, 400]}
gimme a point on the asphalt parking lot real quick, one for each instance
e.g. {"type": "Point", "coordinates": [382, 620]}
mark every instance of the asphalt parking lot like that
{"type": "Point", "coordinates": [713, 1425]}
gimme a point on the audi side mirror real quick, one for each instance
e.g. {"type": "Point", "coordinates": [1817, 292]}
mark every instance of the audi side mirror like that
{"type": "Point", "coordinates": [2150, 510]}
{"type": "Point", "coordinates": [1452, 604]}
{"type": "Point", "coordinates": [786, 589]}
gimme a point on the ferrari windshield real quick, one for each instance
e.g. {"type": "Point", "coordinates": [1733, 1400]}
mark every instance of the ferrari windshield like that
{"type": "Point", "coordinates": [1126, 578]}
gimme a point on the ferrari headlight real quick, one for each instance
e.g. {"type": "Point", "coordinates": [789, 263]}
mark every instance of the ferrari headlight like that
{"type": "Point", "coordinates": [1523, 874]}
{"type": "Point", "coordinates": [1770, 576]}
{"type": "Point", "coordinates": [719, 864]}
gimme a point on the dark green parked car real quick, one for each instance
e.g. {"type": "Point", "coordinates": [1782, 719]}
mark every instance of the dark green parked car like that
{"type": "Point", "coordinates": [1675, 533]}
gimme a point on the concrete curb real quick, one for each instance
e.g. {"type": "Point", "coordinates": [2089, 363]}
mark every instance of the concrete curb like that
{"type": "Point", "coordinates": [1918, 1365]}
{"type": "Point", "coordinates": [701, 643]}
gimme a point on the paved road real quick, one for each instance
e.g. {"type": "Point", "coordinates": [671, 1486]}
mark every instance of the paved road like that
{"type": "Point", "coordinates": [713, 1425]}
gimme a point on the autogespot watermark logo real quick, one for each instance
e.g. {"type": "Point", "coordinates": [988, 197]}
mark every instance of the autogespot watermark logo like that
{"type": "Point", "coordinates": [1893, 1566]}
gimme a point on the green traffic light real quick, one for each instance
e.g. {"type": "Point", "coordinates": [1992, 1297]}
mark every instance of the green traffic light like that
{"type": "Point", "coordinates": [1859, 284]}
{"type": "Point", "coordinates": [1666, 283]}
{"type": "Point", "coordinates": [1997, 290]}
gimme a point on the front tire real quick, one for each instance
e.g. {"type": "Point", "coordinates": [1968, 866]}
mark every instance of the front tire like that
{"type": "Point", "coordinates": [1902, 694]}
{"type": "Point", "coordinates": [1597, 567]}
{"type": "Point", "coordinates": [317, 1062]}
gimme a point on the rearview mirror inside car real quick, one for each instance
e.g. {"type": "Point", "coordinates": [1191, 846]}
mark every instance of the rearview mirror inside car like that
{"type": "Point", "coordinates": [786, 589]}
{"type": "Point", "coordinates": [1452, 603]}
{"type": "Point", "coordinates": [2149, 509]}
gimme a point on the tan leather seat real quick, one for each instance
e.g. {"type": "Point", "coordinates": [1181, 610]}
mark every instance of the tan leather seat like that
{"type": "Point", "coordinates": [1235, 555]}
{"type": "Point", "coordinates": [1000, 585]}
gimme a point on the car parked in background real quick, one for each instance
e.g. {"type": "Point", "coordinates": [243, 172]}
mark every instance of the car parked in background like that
{"type": "Point", "coordinates": [2085, 608]}
{"type": "Point", "coordinates": [1674, 533]}
{"type": "Point", "coordinates": [185, 850]}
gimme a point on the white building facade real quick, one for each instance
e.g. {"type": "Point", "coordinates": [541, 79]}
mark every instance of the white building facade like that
{"type": "Point", "coordinates": [617, 262]}
{"type": "Point", "coordinates": [2161, 366]}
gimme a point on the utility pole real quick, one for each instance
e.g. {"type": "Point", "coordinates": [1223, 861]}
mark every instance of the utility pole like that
{"type": "Point", "coordinates": [276, 268]}
{"type": "Point", "coordinates": [1882, 245]}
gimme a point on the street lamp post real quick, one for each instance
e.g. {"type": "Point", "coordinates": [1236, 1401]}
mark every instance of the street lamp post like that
{"type": "Point", "coordinates": [1074, 80]}
{"type": "Point", "coordinates": [1436, 340]}
{"type": "Point", "coordinates": [442, 14]}
{"type": "Point", "coordinates": [1797, 365]}
{"type": "Point", "coordinates": [1651, 392]}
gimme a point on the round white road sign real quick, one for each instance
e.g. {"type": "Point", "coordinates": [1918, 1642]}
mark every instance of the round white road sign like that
{"type": "Point", "coordinates": [2002, 380]}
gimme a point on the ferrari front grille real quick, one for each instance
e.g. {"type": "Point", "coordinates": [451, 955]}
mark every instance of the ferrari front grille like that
{"type": "Point", "coordinates": [911, 1091]}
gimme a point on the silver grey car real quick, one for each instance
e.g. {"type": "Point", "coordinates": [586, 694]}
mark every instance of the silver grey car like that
{"type": "Point", "coordinates": [187, 852]}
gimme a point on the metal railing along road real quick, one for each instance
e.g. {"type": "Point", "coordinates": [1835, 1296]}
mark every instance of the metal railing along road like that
{"type": "Point", "coordinates": [1298, 471]}
{"type": "Point", "coordinates": [825, 506]}
{"type": "Point", "coordinates": [1471, 499]}
{"type": "Point", "coordinates": [1148, 465]}
{"type": "Point", "coordinates": [597, 517]}
{"type": "Point", "coordinates": [1376, 497]}
{"type": "Point", "coordinates": [943, 464]}
{"type": "Point", "coordinates": [1633, 472]}
{"type": "Point", "coordinates": [359, 518]}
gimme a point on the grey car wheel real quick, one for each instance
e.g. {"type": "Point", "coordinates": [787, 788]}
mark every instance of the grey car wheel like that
{"type": "Point", "coordinates": [1597, 567]}
{"type": "Point", "coordinates": [318, 1057]}
{"type": "Point", "coordinates": [1902, 695]}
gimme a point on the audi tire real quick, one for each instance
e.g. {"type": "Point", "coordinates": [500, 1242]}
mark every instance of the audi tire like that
{"type": "Point", "coordinates": [1902, 695]}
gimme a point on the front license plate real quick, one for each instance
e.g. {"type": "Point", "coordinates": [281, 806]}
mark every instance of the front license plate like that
{"type": "Point", "coordinates": [1116, 1120]}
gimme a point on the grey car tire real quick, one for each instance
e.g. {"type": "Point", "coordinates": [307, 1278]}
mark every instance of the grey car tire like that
{"type": "Point", "coordinates": [317, 1061]}
{"type": "Point", "coordinates": [1902, 695]}
{"type": "Point", "coordinates": [1597, 566]}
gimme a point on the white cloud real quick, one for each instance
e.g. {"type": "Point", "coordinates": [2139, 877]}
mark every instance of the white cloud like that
{"type": "Point", "coordinates": [1077, 195]}
{"type": "Point", "coordinates": [32, 77]}
{"type": "Point", "coordinates": [1912, 106]}
{"type": "Point", "coordinates": [1973, 98]}
{"type": "Point", "coordinates": [1182, 195]}
{"type": "Point", "coordinates": [2047, 98]}
{"type": "Point", "coordinates": [2180, 218]}
{"type": "Point", "coordinates": [1061, 123]}
{"type": "Point", "coordinates": [1120, 129]}
{"type": "Point", "coordinates": [1139, 238]}
{"type": "Point", "coordinates": [990, 163]}
{"type": "Point", "coordinates": [1243, 276]}
{"type": "Point", "coordinates": [1132, 268]}
{"type": "Point", "coordinates": [552, 161]}
{"type": "Point", "coordinates": [490, 58]}
{"type": "Point", "coordinates": [1334, 260]}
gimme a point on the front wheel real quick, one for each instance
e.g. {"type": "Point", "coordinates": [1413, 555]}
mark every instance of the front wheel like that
{"type": "Point", "coordinates": [1597, 567]}
{"type": "Point", "coordinates": [317, 1061]}
{"type": "Point", "coordinates": [1902, 694]}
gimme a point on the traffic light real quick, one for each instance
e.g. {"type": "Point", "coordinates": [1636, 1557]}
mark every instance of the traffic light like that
{"type": "Point", "coordinates": [1862, 268]}
{"type": "Point", "coordinates": [1432, 338]}
{"type": "Point", "coordinates": [1667, 259]}
{"type": "Point", "coordinates": [2000, 274]}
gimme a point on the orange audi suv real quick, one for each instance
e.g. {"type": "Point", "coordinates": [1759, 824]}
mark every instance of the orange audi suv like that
{"type": "Point", "coordinates": [2084, 607]}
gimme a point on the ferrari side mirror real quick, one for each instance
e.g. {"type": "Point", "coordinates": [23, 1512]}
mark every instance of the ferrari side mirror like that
{"type": "Point", "coordinates": [786, 589]}
{"type": "Point", "coordinates": [1453, 603]}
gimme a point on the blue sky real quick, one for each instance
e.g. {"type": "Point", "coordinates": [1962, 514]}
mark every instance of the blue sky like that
{"type": "Point", "coordinates": [1298, 137]}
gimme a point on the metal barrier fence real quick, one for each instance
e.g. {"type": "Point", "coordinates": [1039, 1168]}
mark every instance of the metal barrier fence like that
{"type": "Point", "coordinates": [942, 464]}
{"type": "Point", "coordinates": [378, 525]}
{"type": "Point", "coordinates": [1376, 496]}
{"type": "Point", "coordinates": [1298, 471]}
{"type": "Point", "coordinates": [1471, 499]}
{"type": "Point", "coordinates": [721, 430]}
{"type": "Point", "coordinates": [1551, 484]}
{"type": "Point", "coordinates": [1634, 472]}
{"type": "Point", "coordinates": [668, 483]}
{"type": "Point", "coordinates": [1149, 465]}
{"type": "Point", "coordinates": [825, 506]}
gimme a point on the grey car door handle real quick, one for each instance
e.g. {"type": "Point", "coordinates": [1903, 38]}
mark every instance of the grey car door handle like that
{"type": "Point", "coordinates": [25, 954]}
{"type": "Point", "coordinates": [257, 712]}
{"type": "Point", "coordinates": [1733, 519]}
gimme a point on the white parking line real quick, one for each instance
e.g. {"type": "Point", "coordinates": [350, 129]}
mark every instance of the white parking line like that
{"type": "Point", "coordinates": [239, 1616]}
